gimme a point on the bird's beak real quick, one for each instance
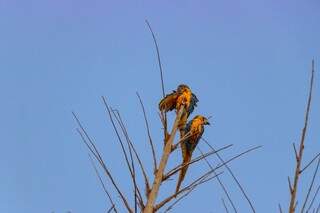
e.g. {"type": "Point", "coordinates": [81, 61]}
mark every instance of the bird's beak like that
{"type": "Point", "coordinates": [206, 122]}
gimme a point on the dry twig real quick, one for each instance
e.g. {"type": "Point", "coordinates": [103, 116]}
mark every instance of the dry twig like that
{"type": "Point", "coordinates": [149, 135]}
{"type": "Point", "coordinates": [299, 155]}
{"type": "Point", "coordinates": [146, 179]}
{"type": "Point", "coordinates": [93, 149]}
{"type": "Point", "coordinates": [233, 176]}
{"type": "Point", "coordinates": [311, 186]}
{"type": "Point", "coordinates": [113, 207]}
{"type": "Point", "coordinates": [225, 206]}
{"type": "Point", "coordinates": [125, 154]}
{"type": "Point", "coordinates": [222, 186]}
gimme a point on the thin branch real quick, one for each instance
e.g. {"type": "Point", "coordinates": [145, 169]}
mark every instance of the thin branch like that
{"type": "Point", "coordinates": [313, 198]}
{"type": "Point", "coordinates": [313, 159]}
{"type": "Point", "coordinates": [191, 187]}
{"type": "Point", "coordinates": [201, 180]}
{"type": "Point", "coordinates": [185, 137]}
{"type": "Point", "coordinates": [103, 186]}
{"type": "Point", "coordinates": [137, 194]}
{"type": "Point", "coordinates": [201, 157]}
{"type": "Point", "coordinates": [125, 154]}
{"type": "Point", "coordinates": [301, 147]}
{"type": "Point", "coordinates": [158, 56]}
{"type": "Point", "coordinates": [224, 205]}
{"type": "Point", "coordinates": [161, 76]}
{"type": "Point", "coordinates": [111, 208]}
{"type": "Point", "coordinates": [233, 176]}
{"type": "Point", "coordinates": [94, 150]}
{"type": "Point", "coordinates": [221, 184]}
{"type": "Point", "coordinates": [146, 180]}
{"type": "Point", "coordinates": [290, 185]}
{"type": "Point", "coordinates": [318, 208]}
{"type": "Point", "coordinates": [311, 185]}
{"type": "Point", "coordinates": [179, 199]}
{"type": "Point", "coordinates": [97, 155]}
{"type": "Point", "coordinates": [149, 134]}
{"type": "Point", "coordinates": [188, 191]}
{"type": "Point", "coordinates": [280, 209]}
{"type": "Point", "coordinates": [101, 162]}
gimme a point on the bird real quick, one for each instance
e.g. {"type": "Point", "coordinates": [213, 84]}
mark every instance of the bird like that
{"type": "Point", "coordinates": [173, 101]}
{"type": "Point", "coordinates": [194, 130]}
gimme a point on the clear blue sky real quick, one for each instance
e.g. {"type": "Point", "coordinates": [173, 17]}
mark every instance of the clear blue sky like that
{"type": "Point", "coordinates": [248, 62]}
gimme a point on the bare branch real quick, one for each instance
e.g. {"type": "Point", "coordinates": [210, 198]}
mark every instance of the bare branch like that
{"type": "Point", "coordinates": [280, 209]}
{"type": "Point", "coordinates": [201, 157]}
{"type": "Point", "coordinates": [103, 186]}
{"type": "Point", "coordinates": [318, 208]}
{"type": "Point", "coordinates": [311, 185]}
{"type": "Point", "coordinates": [185, 137]}
{"type": "Point", "coordinates": [313, 159]}
{"type": "Point", "coordinates": [97, 155]}
{"type": "Point", "coordinates": [158, 56]}
{"type": "Point", "coordinates": [111, 208]}
{"type": "Point", "coordinates": [290, 185]}
{"type": "Point", "coordinates": [188, 191]}
{"type": "Point", "coordinates": [137, 194]}
{"type": "Point", "coordinates": [313, 198]}
{"type": "Point", "coordinates": [221, 184]}
{"type": "Point", "coordinates": [161, 76]}
{"type": "Point", "coordinates": [233, 176]}
{"type": "Point", "coordinates": [149, 134]}
{"type": "Point", "coordinates": [224, 205]}
{"type": "Point", "coordinates": [301, 147]}
{"type": "Point", "coordinates": [163, 162]}
{"type": "Point", "coordinates": [146, 180]}
{"type": "Point", "coordinates": [123, 150]}
{"type": "Point", "coordinates": [202, 179]}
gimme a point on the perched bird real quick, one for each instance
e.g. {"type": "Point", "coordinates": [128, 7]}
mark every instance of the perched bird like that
{"type": "Point", "coordinates": [174, 100]}
{"type": "Point", "coordinates": [194, 130]}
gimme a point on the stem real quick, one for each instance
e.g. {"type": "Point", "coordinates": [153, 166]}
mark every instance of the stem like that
{"type": "Point", "coordinates": [164, 159]}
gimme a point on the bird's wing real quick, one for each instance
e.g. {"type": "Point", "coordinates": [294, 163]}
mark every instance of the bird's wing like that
{"type": "Point", "coordinates": [196, 141]}
{"type": "Point", "coordinates": [193, 103]}
{"type": "Point", "coordinates": [193, 141]}
{"type": "Point", "coordinates": [168, 103]}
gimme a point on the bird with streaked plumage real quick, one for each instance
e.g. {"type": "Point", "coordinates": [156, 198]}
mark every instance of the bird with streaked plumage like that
{"type": "Point", "coordinates": [173, 101]}
{"type": "Point", "coordinates": [194, 130]}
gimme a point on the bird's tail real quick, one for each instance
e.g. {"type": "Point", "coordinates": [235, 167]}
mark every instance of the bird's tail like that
{"type": "Point", "coordinates": [182, 123]}
{"type": "Point", "coordinates": [183, 171]}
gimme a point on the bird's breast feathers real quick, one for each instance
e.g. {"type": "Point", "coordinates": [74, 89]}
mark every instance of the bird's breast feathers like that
{"type": "Point", "coordinates": [184, 99]}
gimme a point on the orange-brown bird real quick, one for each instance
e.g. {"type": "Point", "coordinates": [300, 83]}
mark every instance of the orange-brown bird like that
{"type": "Point", "coordinates": [174, 100]}
{"type": "Point", "coordinates": [194, 130]}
